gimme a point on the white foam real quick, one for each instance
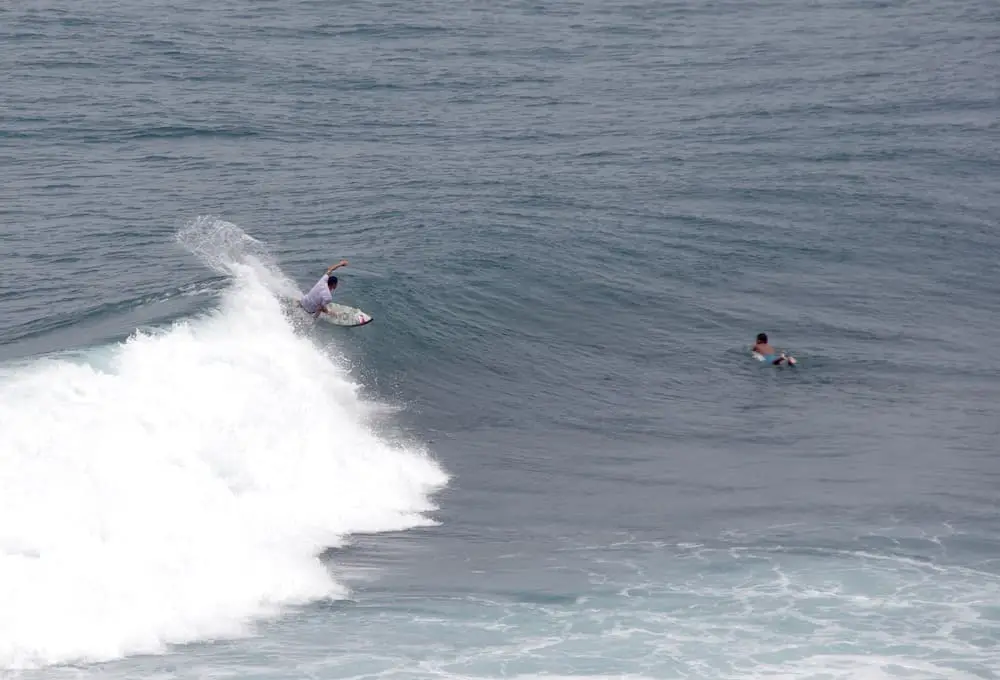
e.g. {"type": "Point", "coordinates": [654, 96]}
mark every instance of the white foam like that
{"type": "Point", "coordinates": [182, 487]}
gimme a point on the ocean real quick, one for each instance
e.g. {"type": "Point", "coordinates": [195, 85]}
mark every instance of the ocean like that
{"type": "Point", "coordinates": [551, 454]}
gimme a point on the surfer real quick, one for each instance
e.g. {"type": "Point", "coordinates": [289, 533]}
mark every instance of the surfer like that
{"type": "Point", "coordinates": [316, 300]}
{"type": "Point", "coordinates": [769, 353]}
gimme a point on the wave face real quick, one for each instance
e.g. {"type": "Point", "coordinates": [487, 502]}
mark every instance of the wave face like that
{"type": "Point", "coordinates": [180, 485]}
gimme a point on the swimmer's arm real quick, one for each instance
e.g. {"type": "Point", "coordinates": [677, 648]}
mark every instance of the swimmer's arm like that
{"type": "Point", "coordinates": [334, 267]}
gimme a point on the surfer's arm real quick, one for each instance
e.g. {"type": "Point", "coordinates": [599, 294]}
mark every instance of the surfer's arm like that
{"type": "Point", "coordinates": [334, 267]}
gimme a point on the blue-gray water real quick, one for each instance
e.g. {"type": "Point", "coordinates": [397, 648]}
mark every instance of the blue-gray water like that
{"type": "Point", "coordinates": [550, 455]}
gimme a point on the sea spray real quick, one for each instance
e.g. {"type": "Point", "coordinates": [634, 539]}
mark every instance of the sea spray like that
{"type": "Point", "coordinates": [183, 487]}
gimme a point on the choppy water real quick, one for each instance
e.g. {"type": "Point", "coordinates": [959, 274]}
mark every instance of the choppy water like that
{"type": "Point", "coordinates": [550, 455]}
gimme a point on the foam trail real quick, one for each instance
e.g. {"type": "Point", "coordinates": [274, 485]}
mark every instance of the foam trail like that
{"type": "Point", "coordinates": [183, 486]}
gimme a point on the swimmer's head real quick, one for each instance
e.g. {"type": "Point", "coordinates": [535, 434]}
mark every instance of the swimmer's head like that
{"type": "Point", "coordinates": [762, 338]}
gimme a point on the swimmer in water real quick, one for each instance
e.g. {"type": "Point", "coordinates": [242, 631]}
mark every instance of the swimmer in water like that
{"type": "Point", "coordinates": [770, 354]}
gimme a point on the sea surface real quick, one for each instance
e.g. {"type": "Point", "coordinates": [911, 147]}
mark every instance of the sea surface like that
{"type": "Point", "coordinates": [551, 455]}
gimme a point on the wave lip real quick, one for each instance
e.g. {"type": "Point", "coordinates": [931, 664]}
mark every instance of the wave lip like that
{"type": "Point", "coordinates": [181, 485]}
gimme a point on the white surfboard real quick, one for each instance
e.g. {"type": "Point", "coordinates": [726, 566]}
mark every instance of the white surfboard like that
{"type": "Point", "coordinates": [342, 315]}
{"type": "Point", "coordinates": [789, 360]}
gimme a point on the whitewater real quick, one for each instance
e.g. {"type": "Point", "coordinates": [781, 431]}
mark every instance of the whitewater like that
{"type": "Point", "coordinates": [181, 485]}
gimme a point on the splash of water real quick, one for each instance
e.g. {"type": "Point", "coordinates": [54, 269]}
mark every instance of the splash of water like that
{"type": "Point", "coordinates": [182, 487]}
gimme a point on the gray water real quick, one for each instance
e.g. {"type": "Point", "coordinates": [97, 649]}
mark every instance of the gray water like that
{"type": "Point", "coordinates": [551, 454]}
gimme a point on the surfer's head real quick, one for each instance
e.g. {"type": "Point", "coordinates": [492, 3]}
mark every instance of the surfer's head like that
{"type": "Point", "coordinates": [762, 338]}
{"type": "Point", "coordinates": [332, 282]}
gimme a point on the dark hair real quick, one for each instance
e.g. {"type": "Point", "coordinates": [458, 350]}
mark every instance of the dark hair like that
{"type": "Point", "coordinates": [762, 337]}
{"type": "Point", "coordinates": [331, 281]}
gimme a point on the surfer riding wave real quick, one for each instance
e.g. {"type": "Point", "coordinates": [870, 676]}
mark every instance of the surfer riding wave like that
{"type": "Point", "coordinates": [321, 294]}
